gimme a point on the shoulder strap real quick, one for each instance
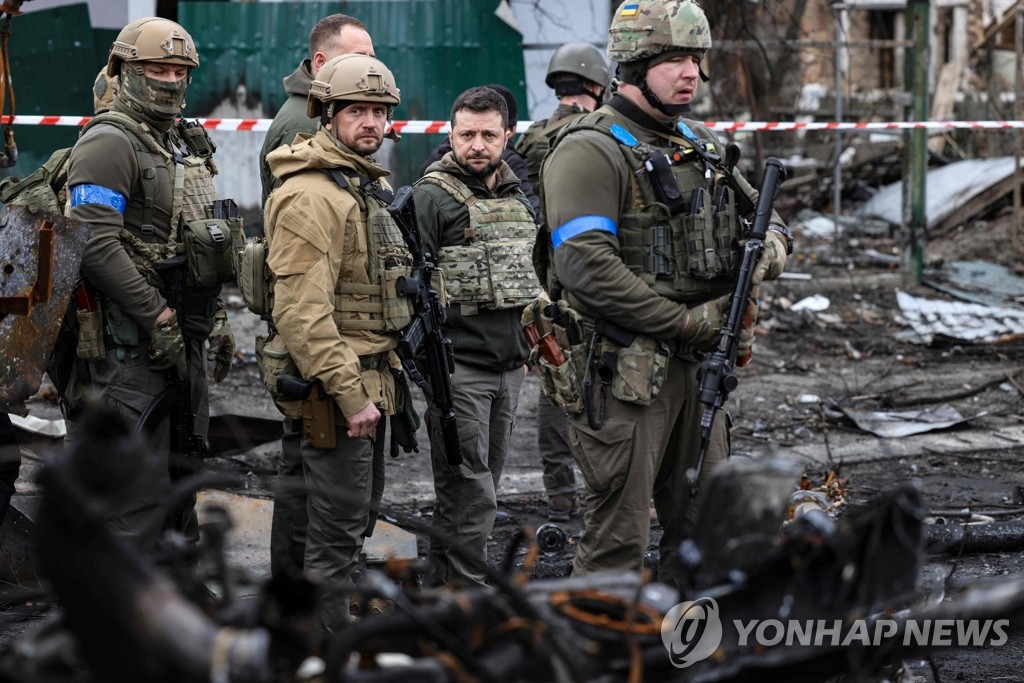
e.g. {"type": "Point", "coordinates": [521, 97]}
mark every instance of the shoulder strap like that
{"type": "Point", "coordinates": [450, 184]}
{"type": "Point", "coordinates": [144, 145]}
{"type": "Point", "coordinates": [365, 185]}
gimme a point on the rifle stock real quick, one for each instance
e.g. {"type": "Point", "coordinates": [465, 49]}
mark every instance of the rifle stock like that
{"type": "Point", "coordinates": [717, 379]}
{"type": "Point", "coordinates": [425, 334]}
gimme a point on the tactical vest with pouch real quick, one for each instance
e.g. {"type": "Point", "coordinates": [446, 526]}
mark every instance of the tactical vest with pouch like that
{"type": "Point", "coordinates": [682, 231]}
{"type": "Point", "coordinates": [377, 306]}
{"type": "Point", "coordinates": [493, 269]}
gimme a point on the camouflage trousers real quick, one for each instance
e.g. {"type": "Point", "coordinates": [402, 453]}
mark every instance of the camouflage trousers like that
{"type": "Point", "coordinates": [640, 453]}
{"type": "Point", "coordinates": [485, 409]}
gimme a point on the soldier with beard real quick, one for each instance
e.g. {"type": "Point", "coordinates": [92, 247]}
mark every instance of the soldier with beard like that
{"type": "Point", "coordinates": [331, 244]}
{"type": "Point", "coordinates": [137, 175]}
{"type": "Point", "coordinates": [475, 218]}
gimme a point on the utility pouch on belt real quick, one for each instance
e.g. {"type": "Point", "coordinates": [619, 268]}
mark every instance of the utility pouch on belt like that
{"type": "Point", "coordinates": [640, 371]}
{"type": "Point", "coordinates": [90, 323]}
{"type": "Point", "coordinates": [211, 245]}
{"type": "Point", "coordinates": [254, 277]}
{"type": "Point", "coordinates": [556, 350]}
{"type": "Point", "coordinates": [273, 360]}
{"type": "Point", "coordinates": [317, 409]}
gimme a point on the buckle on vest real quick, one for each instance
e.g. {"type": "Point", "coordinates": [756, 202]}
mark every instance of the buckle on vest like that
{"type": "Point", "coordinates": [216, 233]}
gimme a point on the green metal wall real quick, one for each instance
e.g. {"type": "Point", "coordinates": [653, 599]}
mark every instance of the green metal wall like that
{"type": "Point", "coordinates": [435, 48]}
{"type": "Point", "coordinates": [55, 56]}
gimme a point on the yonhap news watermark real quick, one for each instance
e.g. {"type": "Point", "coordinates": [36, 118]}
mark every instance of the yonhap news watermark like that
{"type": "Point", "coordinates": [693, 631]}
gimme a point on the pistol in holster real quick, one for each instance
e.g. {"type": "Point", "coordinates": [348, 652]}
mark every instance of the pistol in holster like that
{"type": "Point", "coordinates": [318, 412]}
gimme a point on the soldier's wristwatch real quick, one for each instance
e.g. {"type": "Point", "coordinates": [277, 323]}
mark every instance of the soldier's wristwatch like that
{"type": "Point", "coordinates": [784, 231]}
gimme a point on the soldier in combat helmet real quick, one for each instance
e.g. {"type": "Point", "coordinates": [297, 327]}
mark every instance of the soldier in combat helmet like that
{"type": "Point", "coordinates": [333, 246]}
{"type": "Point", "coordinates": [645, 246]}
{"type": "Point", "coordinates": [137, 178]}
{"type": "Point", "coordinates": [578, 73]}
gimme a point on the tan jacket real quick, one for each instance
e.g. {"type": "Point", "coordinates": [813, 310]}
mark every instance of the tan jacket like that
{"type": "Point", "coordinates": [317, 236]}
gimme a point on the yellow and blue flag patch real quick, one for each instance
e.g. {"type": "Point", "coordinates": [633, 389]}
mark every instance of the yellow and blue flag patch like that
{"type": "Point", "coordinates": [629, 9]}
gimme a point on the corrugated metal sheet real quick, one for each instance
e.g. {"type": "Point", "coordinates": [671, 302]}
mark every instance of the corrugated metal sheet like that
{"type": "Point", "coordinates": [436, 49]}
{"type": "Point", "coordinates": [54, 60]}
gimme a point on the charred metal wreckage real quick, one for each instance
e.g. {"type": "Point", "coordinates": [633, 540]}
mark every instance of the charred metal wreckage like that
{"type": "Point", "coordinates": [178, 615]}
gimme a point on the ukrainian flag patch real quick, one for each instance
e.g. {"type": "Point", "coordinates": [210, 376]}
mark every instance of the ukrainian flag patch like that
{"type": "Point", "coordinates": [629, 9]}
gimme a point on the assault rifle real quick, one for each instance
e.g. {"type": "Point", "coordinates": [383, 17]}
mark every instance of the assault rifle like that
{"type": "Point", "coordinates": [187, 447]}
{"type": "Point", "coordinates": [717, 379]}
{"type": "Point", "coordinates": [425, 334]}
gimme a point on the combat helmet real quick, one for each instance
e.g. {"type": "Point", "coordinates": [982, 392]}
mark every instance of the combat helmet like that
{"type": "Point", "coordinates": [152, 40]}
{"type": "Point", "coordinates": [351, 78]}
{"type": "Point", "coordinates": [646, 32]}
{"type": "Point", "coordinates": [642, 29]}
{"type": "Point", "coordinates": [580, 59]}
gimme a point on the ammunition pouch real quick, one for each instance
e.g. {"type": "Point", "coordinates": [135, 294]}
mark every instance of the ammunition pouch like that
{"type": "Point", "coordinates": [273, 360]}
{"type": "Point", "coordinates": [211, 246]}
{"type": "Point", "coordinates": [91, 344]}
{"type": "Point", "coordinates": [255, 279]}
{"type": "Point", "coordinates": [640, 369]}
{"type": "Point", "coordinates": [494, 275]}
{"type": "Point", "coordinates": [560, 381]}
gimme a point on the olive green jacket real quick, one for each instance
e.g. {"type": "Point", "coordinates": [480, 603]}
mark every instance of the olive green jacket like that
{"type": "Point", "coordinates": [492, 340]}
{"type": "Point", "coordinates": [289, 121]}
{"type": "Point", "coordinates": [587, 179]}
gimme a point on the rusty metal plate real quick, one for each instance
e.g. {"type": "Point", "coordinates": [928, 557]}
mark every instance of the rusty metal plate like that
{"type": "Point", "coordinates": [34, 294]}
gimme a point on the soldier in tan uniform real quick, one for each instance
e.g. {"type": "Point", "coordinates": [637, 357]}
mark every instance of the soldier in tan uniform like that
{"type": "Point", "coordinates": [646, 219]}
{"type": "Point", "coordinates": [474, 216]}
{"type": "Point", "coordinates": [578, 73]}
{"type": "Point", "coordinates": [331, 247]}
{"type": "Point", "coordinates": [138, 176]}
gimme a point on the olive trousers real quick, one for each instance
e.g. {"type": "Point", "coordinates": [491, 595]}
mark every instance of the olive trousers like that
{"type": "Point", "coordinates": [642, 452]}
{"type": "Point", "coordinates": [485, 409]}
{"type": "Point", "coordinates": [344, 486]}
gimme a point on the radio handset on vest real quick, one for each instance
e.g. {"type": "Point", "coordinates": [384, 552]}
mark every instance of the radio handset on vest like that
{"type": "Point", "coordinates": [659, 168]}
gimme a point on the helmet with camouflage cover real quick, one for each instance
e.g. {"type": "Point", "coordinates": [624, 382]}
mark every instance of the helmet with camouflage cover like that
{"type": "Point", "coordinates": [351, 78]}
{"type": "Point", "coordinates": [642, 29]}
{"type": "Point", "coordinates": [579, 59]}
{"type": "Point", "coordinates": [152, 40]}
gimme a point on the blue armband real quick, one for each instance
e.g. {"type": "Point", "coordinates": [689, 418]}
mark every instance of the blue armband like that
{"type": "Point", "coordinates": [580, 225]}
{"type": "Point", "coordinates": [97, 194]}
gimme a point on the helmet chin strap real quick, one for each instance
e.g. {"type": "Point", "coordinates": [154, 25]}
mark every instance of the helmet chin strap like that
{"type": "Point", "coordinates": [672, 110]}
{"type": "Point", "coordinates": [638, 77]}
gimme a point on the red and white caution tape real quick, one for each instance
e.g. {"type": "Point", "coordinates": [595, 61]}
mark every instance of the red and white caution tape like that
{"type": "Point", "coordinates": [442, 126]}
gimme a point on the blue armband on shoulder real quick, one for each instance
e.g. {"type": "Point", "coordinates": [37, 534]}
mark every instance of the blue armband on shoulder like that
{"type": "Point", "coordinates": [97, 194]}
{"type": "Point", "coordinates": [580, 225]}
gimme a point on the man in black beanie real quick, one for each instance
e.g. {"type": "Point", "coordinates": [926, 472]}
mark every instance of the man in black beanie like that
{"type": "Point", "coordinates": [510, 156]}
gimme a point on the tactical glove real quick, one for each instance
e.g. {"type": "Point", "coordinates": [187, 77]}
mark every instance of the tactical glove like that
{"type": "Point", "coordinates": [222, 346]}
{"type": "Point", "coordinates": [773, 258]}
{"type": "Point", "coordinates": [704, 323]}
{"type": "Point", "coordinates": [167, 347]}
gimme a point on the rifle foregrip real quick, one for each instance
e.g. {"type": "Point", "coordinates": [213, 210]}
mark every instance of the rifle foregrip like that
{"type": "Point", "coordinates": [452, 445]}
